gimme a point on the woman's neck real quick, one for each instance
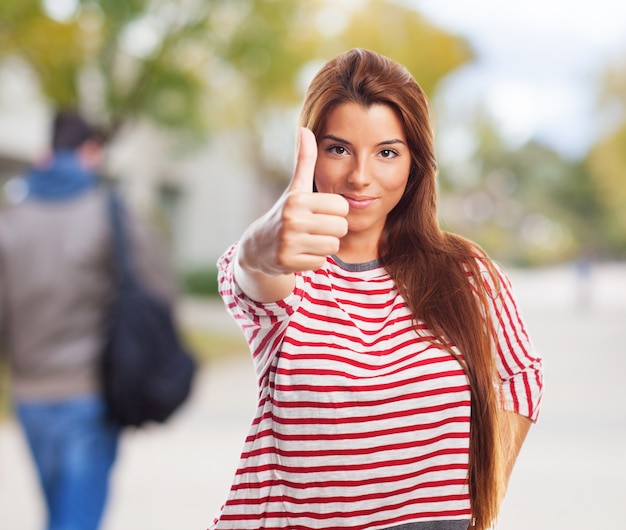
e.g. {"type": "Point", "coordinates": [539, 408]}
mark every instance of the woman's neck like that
{"type": "Point", "coordinates": [357, 250]}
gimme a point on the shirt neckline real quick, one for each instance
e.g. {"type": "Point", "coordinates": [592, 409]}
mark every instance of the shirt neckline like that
{"type": "Point", "coordinates": [357, 267]}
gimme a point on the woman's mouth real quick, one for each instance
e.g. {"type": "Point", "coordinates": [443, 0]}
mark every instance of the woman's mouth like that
{"type": "Point", "coordinates": [359, 203]}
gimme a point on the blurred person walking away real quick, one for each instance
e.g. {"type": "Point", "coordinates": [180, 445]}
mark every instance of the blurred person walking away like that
{"type": "Point", "coordinates": [56, 287]}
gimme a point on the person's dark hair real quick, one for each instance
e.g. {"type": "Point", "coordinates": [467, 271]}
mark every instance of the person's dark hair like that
{"type": "Point", "coordinates": [431, 268]}
{"type": "Point", "coordinates": [70, 130]}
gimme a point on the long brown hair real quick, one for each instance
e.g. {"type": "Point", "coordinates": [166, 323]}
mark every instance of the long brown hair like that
{"type": "Point", "coordinates": [431, 268]}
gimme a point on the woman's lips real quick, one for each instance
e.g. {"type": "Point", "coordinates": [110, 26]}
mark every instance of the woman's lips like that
{"type": "Point", "coordinates": [359, 203]}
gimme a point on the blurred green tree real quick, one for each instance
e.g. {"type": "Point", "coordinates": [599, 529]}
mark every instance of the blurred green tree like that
{"type": "Point", "coordinates": [525, 204]}
{"type": "Point", "coordinates": [114, 58]}
{"type": "Point", "coordinates": [119, 59]}
{"type": "Point", "coordinates": [606, 161]}
{"type": "Point", "coordinates": [201, 64]}
{"type": "Point", "coordinates": [402, 33]}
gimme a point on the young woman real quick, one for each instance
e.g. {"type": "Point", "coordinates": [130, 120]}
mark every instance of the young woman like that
{"type": "Point", "coordinates": [396, 379]}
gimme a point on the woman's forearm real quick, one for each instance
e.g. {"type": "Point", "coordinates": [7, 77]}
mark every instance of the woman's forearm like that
{"type": "Point", "coordinates": [513, 431]}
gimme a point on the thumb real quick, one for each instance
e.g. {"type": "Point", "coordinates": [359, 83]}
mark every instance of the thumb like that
{"type": "Point", "coordinates": [302, 179]}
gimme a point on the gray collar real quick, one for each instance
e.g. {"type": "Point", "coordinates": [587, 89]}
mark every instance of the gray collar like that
{"type": "Point", "coordinates": [358, 267]}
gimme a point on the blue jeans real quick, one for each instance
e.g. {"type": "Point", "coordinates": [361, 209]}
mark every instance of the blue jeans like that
{"type": "Point", "coordinates": [74, 449]}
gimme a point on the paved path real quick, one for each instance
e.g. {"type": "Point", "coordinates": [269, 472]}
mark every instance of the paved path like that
{"type": "Point", "coordinates": [571, 473]}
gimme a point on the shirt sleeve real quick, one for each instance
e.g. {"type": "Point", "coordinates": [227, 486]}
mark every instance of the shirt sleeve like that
{"type": "Point", "coordinates": [263, 324]}
{"type": "Point", "coordinates": [518, 364]}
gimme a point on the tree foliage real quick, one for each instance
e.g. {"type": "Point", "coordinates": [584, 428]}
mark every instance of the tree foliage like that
{"type": "Point", "coordinates": [530, 206]}
{"type": "Point", "coordinates": [607, 165]}
{"type": "Point", "coordinates": [606, 161]}
{"type": "Point", "coordinates": [90, 57]}
{"type": "Point", "coordinates": [152, 58]}
{"type": "Point", "coordinates": [400, 32]}
{"type": "Point", "coordinates": [524, 204]}
{"type": "Point", "coordinates": [200, 64]}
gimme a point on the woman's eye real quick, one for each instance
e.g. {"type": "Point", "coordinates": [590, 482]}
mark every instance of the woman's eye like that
{"type": "Point", "coordinates": [388, 153]}
{"type": "Point", "coordinates": [337, 150]}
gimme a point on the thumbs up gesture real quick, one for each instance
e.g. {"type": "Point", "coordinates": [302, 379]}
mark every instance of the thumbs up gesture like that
{"type": "Point", "coordinates": [309, 224]}
{"type": "Point", "coordinates": [300, 230]}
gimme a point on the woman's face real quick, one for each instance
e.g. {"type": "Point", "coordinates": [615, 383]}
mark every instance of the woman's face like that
{"type": "Point", "coordinates": [363, 155]}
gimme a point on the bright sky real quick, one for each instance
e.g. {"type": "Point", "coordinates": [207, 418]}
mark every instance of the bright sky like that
{"type": "Point", "coordinates": [538, 62]}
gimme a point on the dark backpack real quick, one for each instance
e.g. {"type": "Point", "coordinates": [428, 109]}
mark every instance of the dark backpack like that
{"type": "Point", "coordinates": [147, 372]}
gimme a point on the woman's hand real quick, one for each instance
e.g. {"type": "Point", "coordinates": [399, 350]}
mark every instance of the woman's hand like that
{"type": "Point", "coordinates": [297, 234]}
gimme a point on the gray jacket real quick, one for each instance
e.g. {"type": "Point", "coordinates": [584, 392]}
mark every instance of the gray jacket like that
{"type": "Point", "coordinates": [56, 285]}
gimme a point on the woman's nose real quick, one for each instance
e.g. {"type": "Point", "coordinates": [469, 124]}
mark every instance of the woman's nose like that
{"type": "Point", "coordinates": [359, 173]}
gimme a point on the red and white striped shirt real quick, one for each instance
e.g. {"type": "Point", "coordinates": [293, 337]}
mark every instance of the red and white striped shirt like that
{"type": "Point", "coordinates": [362, 422]}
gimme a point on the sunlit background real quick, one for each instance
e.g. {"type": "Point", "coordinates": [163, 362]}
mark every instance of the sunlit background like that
{"type": "Point", "coordinates": [202, 98]}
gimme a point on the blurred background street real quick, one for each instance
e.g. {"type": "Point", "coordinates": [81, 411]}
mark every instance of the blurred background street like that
{"type": "Point", "coordinates": [571, 473]}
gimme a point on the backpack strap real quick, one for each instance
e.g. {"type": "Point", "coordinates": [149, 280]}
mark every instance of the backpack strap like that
{"type": "Point", "coordinates": [121, 249]}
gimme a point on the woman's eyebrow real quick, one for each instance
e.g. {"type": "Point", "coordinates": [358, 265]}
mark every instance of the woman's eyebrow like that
{"type": "Point", "coordinates": [391, 142]}
{"type": "Point", "coordinates": [343, 141]}
{"type": "Point", "coordinates": [335, 139]}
